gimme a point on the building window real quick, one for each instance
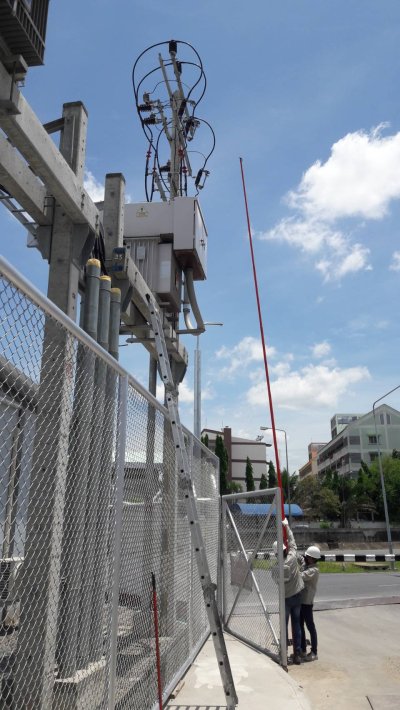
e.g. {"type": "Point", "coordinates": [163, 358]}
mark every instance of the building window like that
{"type": "Point", "coordinates": [373, 455]}
{"type": "Point", "coordinates": [354, 440]}
{"type": "Point", "coordinates": [355, 458]}
{"type": "Point", "coordinates": [381, 419]}
{"type": "Point", "coordinates": [373, 439]}
{"type": "Point", "coordinates": [387, 418]}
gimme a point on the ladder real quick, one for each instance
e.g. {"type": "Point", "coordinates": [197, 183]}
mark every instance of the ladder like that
{"type": "Point", "coordinates": [182, 460]}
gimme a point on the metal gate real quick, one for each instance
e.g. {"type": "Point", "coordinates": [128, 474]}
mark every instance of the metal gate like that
{"type": "Point", "coordinates": [253, 598]}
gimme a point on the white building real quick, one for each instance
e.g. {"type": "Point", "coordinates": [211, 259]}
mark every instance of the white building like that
{"type": "Point", "coordinates": [360, 441]}
{"type": "Point", "coordinates": [238, 450]}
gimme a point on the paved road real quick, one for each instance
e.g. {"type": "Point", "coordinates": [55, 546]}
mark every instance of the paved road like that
{"type": "Point", "coordinates": [359, 660]}
{"type": "Point", "coordinates": [363, 586]}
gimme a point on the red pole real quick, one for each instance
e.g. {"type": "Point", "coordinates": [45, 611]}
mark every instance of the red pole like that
{"type": "Point", "coordinates": [271, 408]}
{"type": "Point", "coordinates": [158, 658]}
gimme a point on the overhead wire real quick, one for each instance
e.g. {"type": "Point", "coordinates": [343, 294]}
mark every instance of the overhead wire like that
{"type": "Point", "coordinates": [184, 132]}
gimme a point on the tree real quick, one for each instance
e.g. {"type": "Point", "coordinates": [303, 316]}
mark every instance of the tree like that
{"type": "Point", "coordinates": [317, 501]}
{"type": "Point", "coordinates": [289, 480]}
{"type": "Point", "coordinates": [235, 487]}
{"type": "Point", "coordinates": [249, 476]}
{"type": "Point", "coordinates": [347, 491]}
{"type": "Point", "coordinates": [391, 475]}
{"type": "Point", "coordinates": [272, 479]}
{"type": "Point", "coordinates": [222, 454]}
{"type": "Point", "coordinates": [263, 482]}
{"type": "Point", "coordinates": [204, 440]}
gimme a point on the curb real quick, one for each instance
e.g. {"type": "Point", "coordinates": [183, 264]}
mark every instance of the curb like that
{"type": "Point", "coordinates": [348, 557]}
{"type": "Point", "coordinates": [351, 603]}
{"type": "Point", "coordinates": [345, 557]}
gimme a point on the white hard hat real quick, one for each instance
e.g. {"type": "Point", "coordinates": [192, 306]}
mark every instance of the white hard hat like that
{"type": "Point", "coordinates": [314, 552]}
{"type": "Point", "coordinates": [275, 547]}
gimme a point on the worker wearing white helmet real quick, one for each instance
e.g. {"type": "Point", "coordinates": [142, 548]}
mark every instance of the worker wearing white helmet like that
{"type": "Point", "coordinates": [310, 574]}
{"type": "Point", "coordinates": [293, 588]}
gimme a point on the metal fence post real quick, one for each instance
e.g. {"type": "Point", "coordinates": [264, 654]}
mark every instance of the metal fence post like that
{"type": "Point", "coordinates": [119, 500]}
{"type": "Point", "coordinates": [282, 611]}
{"type": "Point", "coordinates": [149, 523]}
{"type": "Point", "coordinates": [224, 559]}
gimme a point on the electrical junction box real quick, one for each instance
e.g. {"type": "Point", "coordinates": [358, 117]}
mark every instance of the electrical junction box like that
{"type": "Point", "coordinates": [180, 222]}
{"type": "Point", "coordinates": [159, 267]}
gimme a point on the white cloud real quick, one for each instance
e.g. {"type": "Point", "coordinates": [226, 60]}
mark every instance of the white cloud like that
{"type": "Point", "coordinates": [395, 265]}
{"type": "Point", "coordinates": [338, 266]}
{"type": "Point", "coordinates": [186, 393]}
{"type": "Point", "coordinates": [339, 256]}
{"type": "Point", "coordinates": [93, 187]}
{"type": "Point", "coordinates": [308, 235]}
{"type": "Point", "coordinates": [311, 386]}
{"type": "Point", "coordinates": [281, 369]}
{"type": "Point", "coordinates": [359, 179]}
{"type": "Point", "coordinates": [321, 349]}
{"type": "Point", "coordinates": [247, 352]}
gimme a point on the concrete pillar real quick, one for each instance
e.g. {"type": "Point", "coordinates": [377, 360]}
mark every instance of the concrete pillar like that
{"type": "Point", "coordinates": [64, 264]}
{"type": "Point", "coordinates": [113, 216]}
{"type": "Point", "coordinates": [35, 658]}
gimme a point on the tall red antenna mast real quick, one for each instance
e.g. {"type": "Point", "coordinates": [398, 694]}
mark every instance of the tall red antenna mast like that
{"type": "Point", "coordinates": [271, 408]}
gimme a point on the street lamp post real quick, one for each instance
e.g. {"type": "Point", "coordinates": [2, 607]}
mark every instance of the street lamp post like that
{"type": "Point", "coordinates": [385, 506]}
{"type": "Point", "coordinates": [197, 386]}
{"type": "Point", "coordinates": [266, 428]}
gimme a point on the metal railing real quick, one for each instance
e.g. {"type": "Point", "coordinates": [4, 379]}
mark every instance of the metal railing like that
{"type": "Point", "coordinates": [90, 509]}
{"type": "Point", "coordinates": [253, 598]}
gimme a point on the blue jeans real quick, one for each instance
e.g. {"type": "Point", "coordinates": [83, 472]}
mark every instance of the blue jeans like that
{"type": "Point", "coordinates": [307, 618]}
{"type": "Point", "coordinates": [292, 609]}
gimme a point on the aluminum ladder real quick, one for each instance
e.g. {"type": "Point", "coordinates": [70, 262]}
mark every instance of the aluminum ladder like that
{"type": "Point", "coordinates": [182, 461]}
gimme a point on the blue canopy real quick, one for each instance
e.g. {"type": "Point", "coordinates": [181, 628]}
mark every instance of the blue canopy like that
{"type": "Point", "coordinates": [263, 509]}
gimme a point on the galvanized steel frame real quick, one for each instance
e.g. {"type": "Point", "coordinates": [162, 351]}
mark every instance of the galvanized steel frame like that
{"type": "Point", "coordinates": [275, 493]}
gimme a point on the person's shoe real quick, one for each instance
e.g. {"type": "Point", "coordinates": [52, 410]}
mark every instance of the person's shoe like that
{"type": "Point", "coordinates": [296, 659]}
{"type": "Point", "coordinates": [311, 656]}
{"type": "Point", "coordinates": [303, 654]}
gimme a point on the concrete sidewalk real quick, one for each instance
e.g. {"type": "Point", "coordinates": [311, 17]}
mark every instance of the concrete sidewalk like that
{"type": "Point", "coordinates": [259, 682]}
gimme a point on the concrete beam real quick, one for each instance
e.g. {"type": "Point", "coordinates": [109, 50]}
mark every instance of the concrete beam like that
{"type": "Point", "coordinates": [17, 178]}
{"type": "Point", "coordinates": [28, 135]}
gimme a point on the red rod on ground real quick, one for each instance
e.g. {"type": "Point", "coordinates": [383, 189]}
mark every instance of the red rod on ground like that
{"type": "Point", "coordinates": [271, 408]}
{"type": "Point", "coordinates": [158, 658]}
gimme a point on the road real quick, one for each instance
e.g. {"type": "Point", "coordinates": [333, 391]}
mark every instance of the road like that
{"type": "Point", "coordinates": [358, 665]}
{"type": "Point", "coordinates": [335, 590]}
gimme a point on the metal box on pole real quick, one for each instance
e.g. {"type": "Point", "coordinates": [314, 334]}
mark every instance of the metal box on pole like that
{"type": "Point", "coordinates": [179, 221]}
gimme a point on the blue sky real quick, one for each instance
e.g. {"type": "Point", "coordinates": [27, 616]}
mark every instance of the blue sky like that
{"type": "Point", "coordinates": [306, 91]}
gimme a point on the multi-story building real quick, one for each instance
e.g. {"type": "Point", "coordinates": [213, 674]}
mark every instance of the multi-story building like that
{"type": "Point", "coordinates": [311, 468]}
{"type": "Point", "coordinates": [238, 450]}
{"type": "Point", "coordinates": [340, 422]}
{"type": "Point", "coordinates": [360, 440]}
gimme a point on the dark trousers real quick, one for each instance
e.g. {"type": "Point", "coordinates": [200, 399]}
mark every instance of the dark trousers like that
{"type": "Point", "coordinates": [307, 618]}
{"type": "Point", "coordinates": [292, 609]}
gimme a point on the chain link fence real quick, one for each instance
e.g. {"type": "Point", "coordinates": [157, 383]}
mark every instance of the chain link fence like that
{"type": "Point", "coordinates": [90, 509]}
{"type": "Point", "coordinates": [253, 590]}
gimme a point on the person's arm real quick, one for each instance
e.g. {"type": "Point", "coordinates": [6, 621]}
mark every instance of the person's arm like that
{"type": "Point", "coordinates": [309, 575]}
{"type": "Point", "coordinates": [291, 542]}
